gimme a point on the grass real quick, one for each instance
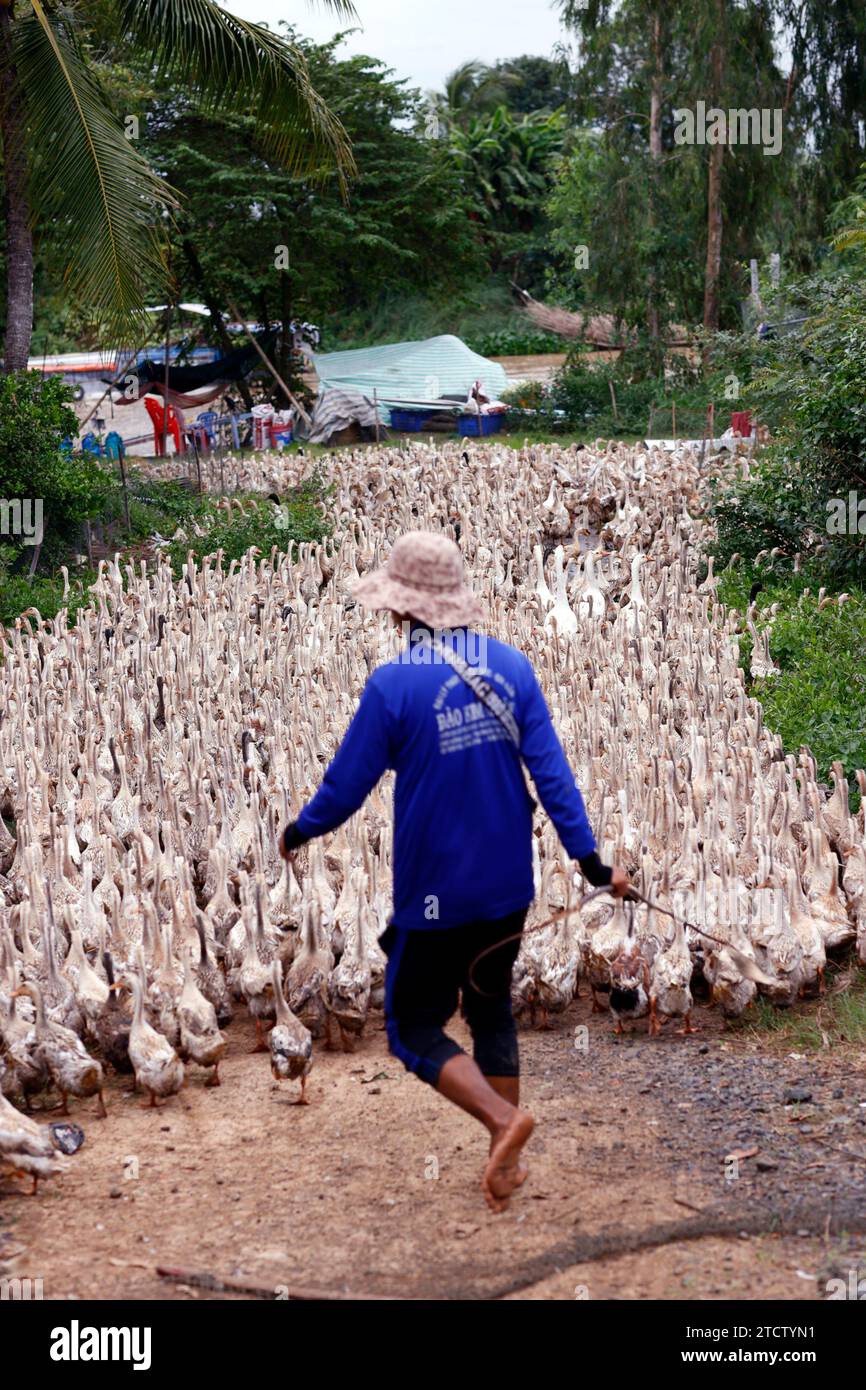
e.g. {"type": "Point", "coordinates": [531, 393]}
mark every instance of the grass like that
{"type": "Point", "coordinates": [836, 1019]}
{"type": "Point", "coordinates": [819, 697]}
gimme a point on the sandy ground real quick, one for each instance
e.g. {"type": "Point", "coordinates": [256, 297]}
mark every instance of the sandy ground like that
{"type": "Point", "coordinates": [540, 367]}
{"type": "Point", "coordinates": [373, 1189]}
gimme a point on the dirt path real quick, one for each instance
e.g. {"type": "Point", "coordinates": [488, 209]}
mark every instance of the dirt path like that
{"type": "Point", "coordinates": [627, 1196]}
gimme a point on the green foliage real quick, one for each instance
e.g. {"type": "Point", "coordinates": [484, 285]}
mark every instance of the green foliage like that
{"type": "Point", "coordinates": [93, 188]}
{"type": "Point", "coordinates": [812, 395]}
{"type": "Point", "coordinates": [819, 697]}
{"type": "Point", "coordinates": [34, 418]}
{"type": "Point", "coordinates": [517, 339]}
{"type": "Point", "coordinates": [44, 592]}
{"type": "Point", "coordinates": [298, 517]}
{"type": "Point", "coordinates": [403, 231]}
{"type": "Point", "coordinates": [507, 165]}
{"type": "Point", "coordinates": [644, 219]}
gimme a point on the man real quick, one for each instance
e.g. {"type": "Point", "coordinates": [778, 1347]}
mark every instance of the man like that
{"type": "Point", "coordinates": [454, 716]}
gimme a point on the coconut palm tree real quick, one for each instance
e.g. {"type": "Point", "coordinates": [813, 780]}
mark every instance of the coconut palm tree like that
{"type": "Point", "coordinates": [69, 162]}
{"type": "Point", "coordinates": [471, 90]}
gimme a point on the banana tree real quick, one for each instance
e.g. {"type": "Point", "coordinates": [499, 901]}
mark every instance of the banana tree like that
{"type": "Point", "coordinates": [70, 166]}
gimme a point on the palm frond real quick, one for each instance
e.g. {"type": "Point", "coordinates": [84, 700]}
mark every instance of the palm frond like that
{"type": "Point", "coordinates": [225, 63]}
{"type": "Point", "coordinates": [100, 198]}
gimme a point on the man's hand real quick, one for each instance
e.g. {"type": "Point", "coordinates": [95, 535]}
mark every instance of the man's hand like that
{"type": "Point", "coordinates": [287, 854]}
{"type": "Point", "coordinates": [620, 883]}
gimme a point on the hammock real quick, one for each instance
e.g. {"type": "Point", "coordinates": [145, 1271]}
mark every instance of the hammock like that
{"type": "Point", "coordinates": [151, 376]}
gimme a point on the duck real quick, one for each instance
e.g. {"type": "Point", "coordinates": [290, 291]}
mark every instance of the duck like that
{"type": "Point", "coordinates": [604, 945]}
{"type": "Point", "coordinates": [24, 1072]}
{"type": "Point", "coordinates": [628, 998]}
{"type": "Point", "coordinates": [291, 1044]}
{"type": "Point", "coordinates": [211, 979]}
{"type": "Point", "coordinates": [670, 994]}
{"type": "Point", "coordinates": [561, 619]}
{"type": "Point", "coordinates": [72, 1069]}
{"type": "Point", "coordinates": [308, 975]}
{"type": "Point", "coordinates": [201, 1040]}
{"type": "Point", "coordinates": [158, 1069]}
{"type": "Point", "coordinates": [348, 990]}
{"type": "Point", "coordinates": [112, 1026]}
{"type": "Point", "coordinates": [591, 604]}
{"type": "Point", "coordinates": [27, 1148]}
{"type": "Point", "coordinates": [254, 977]}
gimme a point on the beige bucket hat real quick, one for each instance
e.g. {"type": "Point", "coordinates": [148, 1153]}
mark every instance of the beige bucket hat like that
{"type": "Point", "coordinates": [423, 579]}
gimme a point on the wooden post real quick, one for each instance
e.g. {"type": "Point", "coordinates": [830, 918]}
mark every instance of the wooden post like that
{"type": "Point", "coordinates": [376, 411]}
{"type": "Point", "coordinates": [649, 428]}
{"type": "Point", "coordinates": [165, 385]}
{"type": "Point", "coordinates": [674, 420]}
{"type": "Point", "coordinates": [613, 399]}
{"type": "Point", "coordinates": [197, 460]}
{"type": "Point", "coordinates": [124, 487]}
{"type": "Point", "coordinates": [88, 542]}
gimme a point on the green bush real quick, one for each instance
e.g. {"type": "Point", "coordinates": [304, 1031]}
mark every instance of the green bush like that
{"type": "Point", "coordinates": [813, 396]}
{"type": "Point", "coordinates": [514, 340]}
{"type": "Point", "coordinates": [298, 517]}
{"type": "Point", "coordinates": [819, 697]}
{"type": "Point", "coordinates": [35, 417]}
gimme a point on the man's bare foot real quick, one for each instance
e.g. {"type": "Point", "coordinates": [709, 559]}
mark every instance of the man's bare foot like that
{"type": "Point", "coordinates": [504, 1172]}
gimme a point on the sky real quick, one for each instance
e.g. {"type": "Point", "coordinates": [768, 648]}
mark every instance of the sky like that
{"type": "Point", "coordinates": [423, 40]}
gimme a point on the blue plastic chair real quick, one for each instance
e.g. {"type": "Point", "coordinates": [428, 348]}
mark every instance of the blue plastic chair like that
{"type": "Point", "coordinates": [114, 446]}
{"type": "Point", "coordinates": [91, 445]}
{"type": "Point", "coordinates": [207, 420]}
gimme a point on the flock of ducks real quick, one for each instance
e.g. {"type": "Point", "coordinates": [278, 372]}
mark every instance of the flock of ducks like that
{"type": "Point", "coordinates": [150, 752]}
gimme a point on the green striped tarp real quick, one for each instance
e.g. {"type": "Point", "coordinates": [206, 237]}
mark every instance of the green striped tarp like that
{"type": "Point", "coordinates": [422, 371]}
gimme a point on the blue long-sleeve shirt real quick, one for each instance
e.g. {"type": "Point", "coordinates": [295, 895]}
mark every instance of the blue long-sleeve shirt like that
{"type": "Point", "coordinates": [462, 810]}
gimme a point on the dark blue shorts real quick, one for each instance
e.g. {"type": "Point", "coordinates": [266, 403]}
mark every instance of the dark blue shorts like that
{"type": "Point", "coordinates": [428, 972]}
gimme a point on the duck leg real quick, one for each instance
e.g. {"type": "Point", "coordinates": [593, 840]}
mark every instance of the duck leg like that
{"type": "Point", "coordinates": [214, 1078]}
{"type": "Point", "coordinates": [261, 1045]}
{"type": "Point", "coordinates": [102, 1110]}
{"type": "Point", "coordinates": [64, 1109]}
{"type": "Point", "coordinates": [655, 1027]}
{"type": "Point", "coordinates": [688, 1027]}
{"type": "Point", "coordinates": [302, 1099]}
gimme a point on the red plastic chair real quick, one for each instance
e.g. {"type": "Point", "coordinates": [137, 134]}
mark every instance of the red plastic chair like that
{"type": "Point", "coordinates": [157, 415]}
